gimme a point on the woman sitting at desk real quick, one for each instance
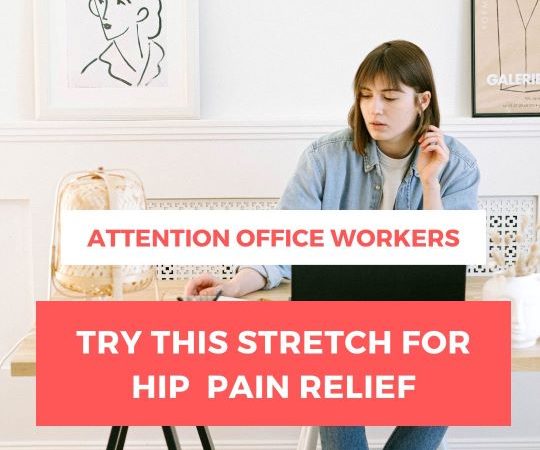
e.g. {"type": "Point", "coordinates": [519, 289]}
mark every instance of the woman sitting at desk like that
{"type": "Point", "coordinates": [392, 156]}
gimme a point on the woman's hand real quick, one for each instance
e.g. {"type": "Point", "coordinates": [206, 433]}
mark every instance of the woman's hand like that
{"type": "Point", "coordinates": [433, 156]}
{"type": "Point", "coordinates": [244, 282]}
{"type": "Point", "coordinates": [208, 284]}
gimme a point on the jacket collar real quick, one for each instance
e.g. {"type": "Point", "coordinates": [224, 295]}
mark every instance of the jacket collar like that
{"type": "Point", "coordinates": [371, 159]}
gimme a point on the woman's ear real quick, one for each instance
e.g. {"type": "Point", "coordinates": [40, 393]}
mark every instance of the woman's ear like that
{"type": "Point", "coordinates": [424, 99]}
{"type": "Point", "coordinates": [93, 8]}
{"type": "Point", "coordinates": [142, 14]}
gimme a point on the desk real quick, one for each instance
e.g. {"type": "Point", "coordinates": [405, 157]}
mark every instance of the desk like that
{"type": "Point", "coordinates": [23, 362]}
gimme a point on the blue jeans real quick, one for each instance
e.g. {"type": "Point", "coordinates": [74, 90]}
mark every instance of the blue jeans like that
{"type": "Point", "coordinates": [402, 438]}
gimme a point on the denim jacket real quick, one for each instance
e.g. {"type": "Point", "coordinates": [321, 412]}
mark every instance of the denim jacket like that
{"type": "Point", "coordinates": [331, 175]}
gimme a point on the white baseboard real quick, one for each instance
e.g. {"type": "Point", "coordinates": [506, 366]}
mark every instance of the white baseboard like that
{"type": "Point", "coordinates": [456, 444]}
{"type": "Point", "coordinates": [480, 444]}
{"type": "Point", "coordinates": [147, 445]}
{"type": "Point", "coordinates": [144, 445]}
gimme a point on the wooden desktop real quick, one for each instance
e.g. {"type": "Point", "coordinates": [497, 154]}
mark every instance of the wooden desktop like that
{"type": "Point", "coordinates": [23, 362]}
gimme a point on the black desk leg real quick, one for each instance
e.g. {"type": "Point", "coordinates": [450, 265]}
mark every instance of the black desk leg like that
{"type": "Point", "coordinates": [171, 438]}
{"type": "Point", "coordinates": [117, 438]}
{"type": "Point", "coordinates": [206, 439]}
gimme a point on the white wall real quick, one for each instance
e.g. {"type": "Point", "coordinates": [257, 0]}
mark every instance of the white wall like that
{"type": "Point", "coordinates": [274, 75]}
{"type": "Point", "coordinates": [282, 59]}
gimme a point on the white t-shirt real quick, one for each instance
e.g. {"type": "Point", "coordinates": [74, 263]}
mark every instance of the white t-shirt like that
{"type": "Point", "coordinates": [393, 171]}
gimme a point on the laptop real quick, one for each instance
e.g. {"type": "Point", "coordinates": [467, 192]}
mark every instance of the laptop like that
{"type": "Point", "coordinates": [395, 282]}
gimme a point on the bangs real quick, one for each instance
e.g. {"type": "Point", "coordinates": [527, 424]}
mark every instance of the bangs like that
{"type": "Point", "coordinates": [383, 68]}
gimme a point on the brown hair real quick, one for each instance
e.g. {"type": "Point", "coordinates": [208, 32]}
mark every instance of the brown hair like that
{"type": "Point", "coordinates": [399, 62]}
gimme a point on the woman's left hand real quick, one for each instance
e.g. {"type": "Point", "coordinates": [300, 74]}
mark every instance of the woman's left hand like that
{"type": "Point", "coordinates": [433, 156]}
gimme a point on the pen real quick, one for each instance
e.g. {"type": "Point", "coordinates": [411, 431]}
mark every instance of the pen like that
{"type": "Point", "coordinates": [188, 298]}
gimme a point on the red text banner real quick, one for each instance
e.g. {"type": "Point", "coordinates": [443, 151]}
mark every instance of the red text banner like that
{"type": "Point", "coordinates": [273, 363]}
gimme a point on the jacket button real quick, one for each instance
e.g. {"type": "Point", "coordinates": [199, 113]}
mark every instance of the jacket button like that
{"type": "Point", "coordinates": [378, 187]}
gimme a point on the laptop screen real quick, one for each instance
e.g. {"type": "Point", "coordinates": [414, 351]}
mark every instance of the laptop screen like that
{"type": "Point", "coordinates": [378, 282]}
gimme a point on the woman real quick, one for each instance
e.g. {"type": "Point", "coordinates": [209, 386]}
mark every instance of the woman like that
{"type": "Point", "coordinates": [392, 156]}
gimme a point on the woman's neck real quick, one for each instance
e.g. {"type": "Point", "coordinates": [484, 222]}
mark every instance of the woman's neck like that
{"type": "Point", "coordinates": [398, 149]}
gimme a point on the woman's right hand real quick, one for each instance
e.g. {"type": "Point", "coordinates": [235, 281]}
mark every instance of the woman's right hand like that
{"type": "Point", "coordinates": [244, 282]}
{"type": "Point", "coordinates": [208, 284]}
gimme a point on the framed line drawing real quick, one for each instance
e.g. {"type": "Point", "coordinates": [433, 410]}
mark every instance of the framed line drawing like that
{"type": "Point", "coordinates": [505, 58]}
{"type": "Point", "coordinates": [116, 59]}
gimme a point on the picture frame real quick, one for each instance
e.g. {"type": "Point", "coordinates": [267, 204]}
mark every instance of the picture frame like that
{"type": "Point", "coordinates": [116, 59]}
{"type": "Point", "coordinates": [505, 58]}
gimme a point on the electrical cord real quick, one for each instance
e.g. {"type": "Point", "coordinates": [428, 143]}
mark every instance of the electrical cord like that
{"type": "Point", "coordinates": [12, 349]}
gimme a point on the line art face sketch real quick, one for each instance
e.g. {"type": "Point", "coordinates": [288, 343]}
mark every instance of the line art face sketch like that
{"type": "Point", "coordinates": [117, 59]}
{"type": "Point", "coordinates": [133, 55]}
{"type": "Point", "coordinates": [518, 23]}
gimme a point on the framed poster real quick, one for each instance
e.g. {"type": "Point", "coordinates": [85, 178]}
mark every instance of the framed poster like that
{"type": "Point", "coordinates": [506, 57]}
{"type": "Point", "coordinates": [116, 59]}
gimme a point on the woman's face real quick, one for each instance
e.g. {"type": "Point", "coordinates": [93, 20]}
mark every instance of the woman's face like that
{"type": "Point", "coordinates": [390, 114]}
